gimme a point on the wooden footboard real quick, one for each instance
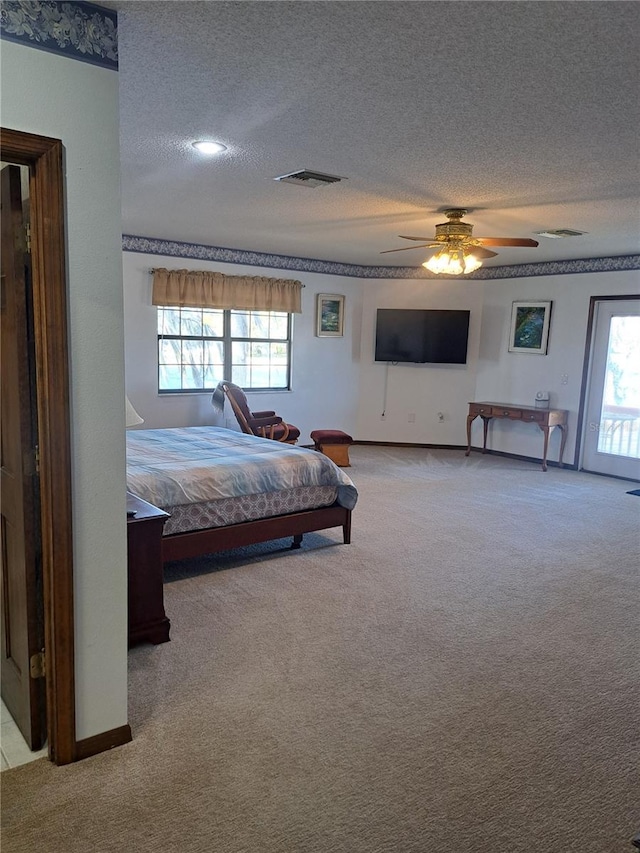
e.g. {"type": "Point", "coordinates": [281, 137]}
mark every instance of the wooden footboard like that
{"type": "Point", "coordinates": [180, 546]}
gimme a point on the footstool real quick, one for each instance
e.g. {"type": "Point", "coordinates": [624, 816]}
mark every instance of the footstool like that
{"type": "Point", "coordinates": [333, 443]}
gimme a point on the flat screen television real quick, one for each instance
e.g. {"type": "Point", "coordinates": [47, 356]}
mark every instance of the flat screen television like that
{"type": "Point", "coordinates": [422, 335]}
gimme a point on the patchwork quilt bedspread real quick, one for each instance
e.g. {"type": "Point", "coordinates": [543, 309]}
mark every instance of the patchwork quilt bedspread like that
{"type": "Point", "coordinates": [175, 467]}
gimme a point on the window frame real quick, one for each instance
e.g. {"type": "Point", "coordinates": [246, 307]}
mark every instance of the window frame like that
{"type": "Point", "coordinates": [227, 341]}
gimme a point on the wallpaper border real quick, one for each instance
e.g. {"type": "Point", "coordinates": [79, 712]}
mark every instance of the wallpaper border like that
{"type": "Point", "coordinates": [196, 251]}
{"type": "Point", "coordinates": [77, 30]}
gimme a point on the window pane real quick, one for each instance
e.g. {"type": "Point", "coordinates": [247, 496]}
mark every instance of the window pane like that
{"type": "Point", "coordinates": [192, 376]}
{"type": "Point", "coordinates": [240, 353]}
{"type": "Point", "coordinates": [170, 378]}
{"type": "Point", "coordinates": [168, 321]}
{"type": "Point", "coordinates": [191, 321]}
{"type": "Point", "coordinates": [170, 351]}
{"type": "Point", "coordinates": [214, 353]}
{"type": "Point", "coordinates": [260, 324]}
{"type": "Point", "coordinates": [240, 324]}
{"type": "Point", "coordinates": [212, 375]}
{"type": "Point", "coordinates": [259, 376]}
{"type": "Point", "coordinates": [240, 375]}
{"type": "Point", "coordinates": [259, 352]}
{"type": "Point", "coordinates": [279, 353]}
{"type": "Point", "coordinates": [279, 325]}
{"type": "Point", "coordinates": [193, 352]}
{"type": "Point", "coordinates": [213, 323]}
{"type": "Point", "coordinates": [620, 416]}
{"type": "Point", "coordinates": [278, 377]}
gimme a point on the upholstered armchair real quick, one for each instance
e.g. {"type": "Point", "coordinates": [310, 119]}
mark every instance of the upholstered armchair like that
{"type": "Point", "coordinates": [263, 424]}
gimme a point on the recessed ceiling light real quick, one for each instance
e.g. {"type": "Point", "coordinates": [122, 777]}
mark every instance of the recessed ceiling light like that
{"type": "Point", "coordinates": [207, 146]}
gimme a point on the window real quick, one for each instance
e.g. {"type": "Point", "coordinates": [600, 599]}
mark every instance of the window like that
{"type": "Point", "coordinates": [197, 347]}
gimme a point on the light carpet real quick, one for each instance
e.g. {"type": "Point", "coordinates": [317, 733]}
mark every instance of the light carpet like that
{"type": "Point", "coordinates": [462, 677]}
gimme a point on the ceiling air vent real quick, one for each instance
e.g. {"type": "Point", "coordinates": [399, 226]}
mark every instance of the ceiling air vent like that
{"type": "Point", "coordinates": [306, 178]}
{"type": "Point", "coordinates": [559, 233]}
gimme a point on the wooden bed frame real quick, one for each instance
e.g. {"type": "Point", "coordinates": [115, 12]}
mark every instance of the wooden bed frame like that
{"type": "Point", "coordinates": [180, 546]}
{"type": "Point", "coordinates": [148, 550]}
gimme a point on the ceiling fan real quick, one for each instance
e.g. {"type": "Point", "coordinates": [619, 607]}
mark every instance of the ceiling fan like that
{"type": "Point", "coordinates": [459, 251]}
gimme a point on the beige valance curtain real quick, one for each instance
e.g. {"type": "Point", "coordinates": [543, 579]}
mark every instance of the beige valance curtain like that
{"type": "Point", "coordinates": [216, 290]}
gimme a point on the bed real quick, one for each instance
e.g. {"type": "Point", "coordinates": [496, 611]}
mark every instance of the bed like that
{"type": "Point", "coordinates": [224, 489]}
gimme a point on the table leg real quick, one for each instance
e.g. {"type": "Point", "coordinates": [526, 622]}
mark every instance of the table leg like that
{"type": "Point", "coordinates": [545, 430]}
{"type": "Point", "coordinates": [470, 420]}
{"type": "Point", "coordinates": [563, 441]}
{"type": "Point", "coordinates": [485, 422]}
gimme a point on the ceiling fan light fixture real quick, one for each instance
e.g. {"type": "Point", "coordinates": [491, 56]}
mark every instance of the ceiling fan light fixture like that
{"type": "Point", "coordinates": [471, 263]}
{"type": "Point", "coordinates": [452, 261]}
{"type": "Point", "coordinates": [459, 252]}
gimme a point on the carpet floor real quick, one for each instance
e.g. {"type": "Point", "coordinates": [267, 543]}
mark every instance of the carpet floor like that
{"type": "Point", "coordinates": [462, 677]}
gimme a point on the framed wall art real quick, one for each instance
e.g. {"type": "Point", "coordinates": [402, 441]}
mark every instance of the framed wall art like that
{"type": "Point", "coordinates": [329, 315]}
{"type": "Point", "coordinates": [530, 327]}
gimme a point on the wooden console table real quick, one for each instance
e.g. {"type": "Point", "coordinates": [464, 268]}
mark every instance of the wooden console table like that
{"type": "Point", "coordinates": [546, 419]}
{"type": "Point", "coordinates": [147, 620]}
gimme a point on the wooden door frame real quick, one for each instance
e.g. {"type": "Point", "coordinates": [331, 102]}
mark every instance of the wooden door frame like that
{"type": "Point", "coordinates": [44, 157]}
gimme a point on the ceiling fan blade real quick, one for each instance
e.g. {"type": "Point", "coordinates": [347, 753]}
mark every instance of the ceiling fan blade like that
{"type": "Point", "coordinates": [404, 237]}
{"type": "Point", "coordinates": [479, 252]}
{"type": "Point", "coordinates": [507, 241]}
{"type": "Point", "coordinates": [408, 248]}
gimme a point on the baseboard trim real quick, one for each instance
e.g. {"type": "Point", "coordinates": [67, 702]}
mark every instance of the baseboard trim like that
{"type": "Point", "coordinates": [101, 743]}
{"type": "Point", "coordinates": [413, 444]}
{"type": "Point", "coordinates": [612, 476]}
{"type": "Point", "coordinates": [536, 460]}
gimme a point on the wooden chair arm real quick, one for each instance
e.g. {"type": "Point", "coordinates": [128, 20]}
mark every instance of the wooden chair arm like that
{"type": "Point", "coordinates": [262, 414]}
{"type": "Point", "coordinates": [285, 435]}
{"type": "Point", "coordinates": [258, 423]}
{"type": "Point", "coordinates": [266, 427]}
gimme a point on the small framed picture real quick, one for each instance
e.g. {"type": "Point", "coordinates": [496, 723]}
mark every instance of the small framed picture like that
{"type": "Point", "coordinates": [329, 315]}
{"type": "Point", "coordinates": [530, 327]}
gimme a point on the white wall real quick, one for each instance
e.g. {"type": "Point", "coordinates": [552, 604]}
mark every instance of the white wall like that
{"type": "Point", "coordinates": [53, 96]}
{"type": "Point", "coordinates": [510, 377]}
{"type": "Point", "coordinates": [420, 390]}
{"type": "Point", "coordinates": [325, 371]}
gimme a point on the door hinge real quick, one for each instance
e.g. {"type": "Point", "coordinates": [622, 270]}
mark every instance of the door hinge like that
{"type": "Point", "coordinates": [27, 237]}
{"type": "Point", "coordinates": [36, 457]}
{"type": "Point", "coordinates": [37, 665]}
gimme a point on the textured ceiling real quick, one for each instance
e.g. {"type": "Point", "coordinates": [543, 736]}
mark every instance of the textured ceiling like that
{"type": "Point", "coordinates": [526, 113]}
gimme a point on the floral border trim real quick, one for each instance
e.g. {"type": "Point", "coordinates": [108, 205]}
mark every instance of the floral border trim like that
{"type": "Point", "coordinates": [177, 249]}
{"type": "Point", "coordinates": [196, 251]}
{"type": "Point", "coordinates": [617, 263]}
{"type": "Point", "coordinates": [72, 29]}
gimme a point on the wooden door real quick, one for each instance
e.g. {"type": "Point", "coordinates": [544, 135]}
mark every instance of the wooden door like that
{"type": "Point", "coordinates": [21, 592]}
{"type": "Point", "coordinates": [612, 412]}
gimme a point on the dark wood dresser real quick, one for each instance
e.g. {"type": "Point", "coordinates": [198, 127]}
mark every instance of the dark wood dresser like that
{"type": "Point", "coordinates": [147, 620]}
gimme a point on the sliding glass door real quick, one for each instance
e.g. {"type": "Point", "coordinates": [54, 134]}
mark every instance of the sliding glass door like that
{"type": "Point", "coordinates": [611, 442]}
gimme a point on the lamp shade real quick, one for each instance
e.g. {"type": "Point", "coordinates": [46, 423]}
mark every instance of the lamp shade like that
{"type": "Point", "coordinates": [453, 259]}
{"type": "Point", "coordinates": [132, 418]}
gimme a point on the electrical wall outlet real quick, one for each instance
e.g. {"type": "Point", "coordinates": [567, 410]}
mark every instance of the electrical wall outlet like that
{"type": "Point", "coordinates": [440, 417]}
{"type": "Point", "coordinates": [411, 418]}
{"type": "Point", "coordinates": [383, 416]}
{"type": "Point", "coordinates": [564, 379]}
